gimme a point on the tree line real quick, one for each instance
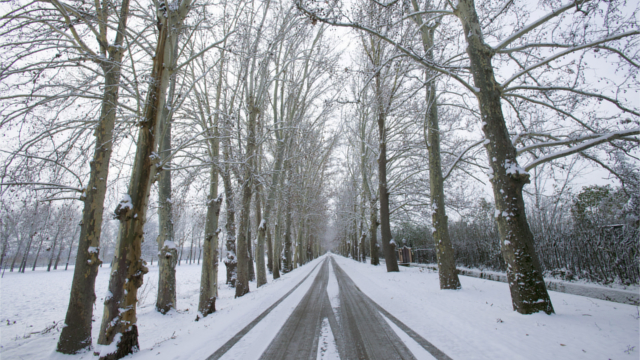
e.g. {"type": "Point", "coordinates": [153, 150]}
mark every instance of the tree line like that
{"type": "Point", "coordinates": [442, 79]}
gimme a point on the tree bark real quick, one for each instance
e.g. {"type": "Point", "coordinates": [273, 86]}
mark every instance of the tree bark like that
{"type": "Point", "coordinates": [23, 263]}
{"type": "Point", "coordinates": [261, 271]}
{"type": "Point", "coordinates": [444, 250]}
{"type": "Point", "coordinates": [242, 282]}
{"type": "Point", "coordinates": [387, 247]}
{"type": "Point", "coordinates": [53, 250]}
{"type": "Point", "coordinates": [167, 250]}
{"type": "Point", "coordinates": [76, 334]}
{"type": "Point", "coordinates": [373, 231]}
{"type": "Point", "coordinates": [35, 262]}
{"type": "Point", "coordinates": [524, 272]}
{"type": "Point", "coordinates": [55, 266]}
{"type": "Point", "coordinates": [119, 319]}
{"type": "Point", "coordinates": [209, 276]}
{"type": "Point", "coordinates": [66, 266]}
{"type": "Point", "coordinates": [15, 257]}
{"type": "Point", "coordinates": [287, 265]}
{"type": "Point", "coordinates": [269, 249]}
{"type": "Point", "coordinates": [231, 261]}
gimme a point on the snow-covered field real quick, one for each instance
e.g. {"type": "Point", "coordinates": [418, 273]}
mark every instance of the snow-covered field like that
{"type": "Point", "coordinates": [35, 300]}
{"type": "Point", "coordinates": [476, 322]}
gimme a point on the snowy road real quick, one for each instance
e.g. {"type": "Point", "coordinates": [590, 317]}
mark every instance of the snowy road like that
{"type": "Point", "coordinates": [347, 325]}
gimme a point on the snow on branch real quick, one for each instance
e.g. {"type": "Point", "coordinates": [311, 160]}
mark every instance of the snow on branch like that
{"type": "Point", "coordinates": [533, 25]}
{"type": "Point", "coordinates": [584, 146]}
{"type": "Point", "coordinates": [419, 59]}
{"type": "Point", "coordinates": [446, 175]}
{"type": "Point", "coordinates": [566, 52]}
{"type": "Point", "coordinates": [48, 186]}
{"type": "Point", "coordinates": [576, 91]}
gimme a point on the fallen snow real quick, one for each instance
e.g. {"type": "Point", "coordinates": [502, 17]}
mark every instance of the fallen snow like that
{"type": "Point", "coordinates": [35, 300]}
{"type": "Point", "coordinates": [327, 349]}
{"type": "Point", "coordinates": [478, 321]}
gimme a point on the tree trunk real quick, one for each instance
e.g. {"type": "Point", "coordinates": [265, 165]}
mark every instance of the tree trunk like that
{"type": "Point", "coordinates": [387, 247]}
{"type": "Point", "coordinates": [524, 272]}
{"type": "Point", "coordinates": [444, 250]}
{"type": "Point", "coordinates": [287, 265]}
{"type": "Point", "coordinates": [244, 260]}
{"type": "Point", "coordinates": [167, 250]}
{"type": "Point", "coordinates": [231, 261]}
{"type": "Point", "coordinates": [261, 271]}
{"type": "Point", "coordinates": [15, 257]}
{"type": "Point", "coordinates": [76, 334]}
{"type": "Point", "coordinates": [23, 263]}
{"type": "Point", "coordinates": [55, 266]}
{"type": "Point", "coordinates": [66, 266]}
{"type": "Point", "coordinates": [4, 250]}
{"type": "Point", "coordinates": [119, 319]}
{"type": "Point", "coordinates": [53, 249]}
{"type": "Point", "coordinates": [269, 249]}
{"type": "Point", "coordinates": [35, 262]}
{"type": "Point", "coordinates": [250, 268]}
{"type": "Point", "coordinates": [276, 250]}
{"type": "Point", "coordinates": [209, 276]}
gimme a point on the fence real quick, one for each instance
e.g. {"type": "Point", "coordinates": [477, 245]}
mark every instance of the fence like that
{"type": "Point", "coordinates": [604, 255]}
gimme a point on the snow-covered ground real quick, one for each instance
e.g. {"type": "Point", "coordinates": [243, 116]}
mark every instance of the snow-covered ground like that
{"type": "Point", "coordinates": [35, 300]}
{"type": "Point", "coordinates": [476, 322]}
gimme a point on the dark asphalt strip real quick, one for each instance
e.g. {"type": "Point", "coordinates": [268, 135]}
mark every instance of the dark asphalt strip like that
{"type": "Point", "coordinates": [348, 283]}
{"type": "Point", "coordinates": [367, 334]}
{"type": "Point", "coordinates": [229, 344]}
{"type": "Point", "coordinates": [298, 337]}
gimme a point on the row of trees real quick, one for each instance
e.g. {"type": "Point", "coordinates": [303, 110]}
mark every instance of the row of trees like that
{"type": "Point", "coordinates": [516, 77]}
{"type": "Point", "coordinates": [134, 106]}
{"type": "Point", "coordinates": [43, 234]}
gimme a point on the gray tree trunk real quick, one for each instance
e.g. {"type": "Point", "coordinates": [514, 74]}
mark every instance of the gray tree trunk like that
{"type": "Point", "coordinates": [53, 250]}
{"type": "Point", "coordinates": [524, 272]}
{"type": "Point", "coordinates": [231, 261]}
{"type": "Point", "coordinates": [167, 250]}
{"type": "Point", "coordinates": [287, 264]}
{"type": "Point", "coordinates": [242, 282]}
{"type": "Point", "coordinates": [209, 276]}
{"type": "Point", "coordinates": [35, 262]}
{"type": "Point", "coordinates": [444, 250]}
{"type": "Point", "coordinates": [260, 266]}
{"type": "Point", "coordinates": [388, 249]}
{"type": "Point", "coordinates": [127, 273]}
{"type": "Point", "coordinates": [76, 334]}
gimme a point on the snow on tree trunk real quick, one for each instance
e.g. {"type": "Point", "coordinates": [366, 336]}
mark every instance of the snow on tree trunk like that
{"type": "Point", "coordinates": [209, 275]}
{"type": "Point", "coordinates": [76, 334]}
{"type": "Point", "coordinates": [528, 291]}
{"type": "Point", "coordinates": [167, 250]}
{"type": "Point", "coordinates": [388, 248]}
{"type": "Point", "coordinates": [119, 320]}
{"type": "Point", "coordinates": [261, 271]}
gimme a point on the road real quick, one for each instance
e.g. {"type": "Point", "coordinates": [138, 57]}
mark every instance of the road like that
{"type": "Point", "coordinates": [357, 325]}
